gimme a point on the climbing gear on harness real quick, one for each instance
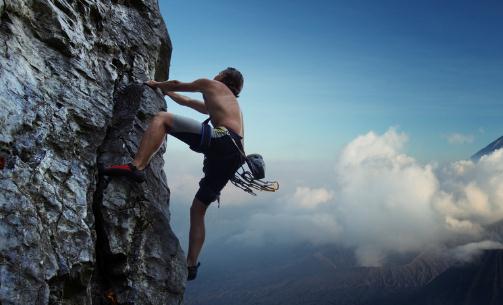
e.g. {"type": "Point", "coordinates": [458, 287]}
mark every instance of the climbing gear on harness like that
{"type": "Point", "coordinates": [128, 170]}
{"type": "Point", "coordinates": [192, 272]}
{"type": "Point", "coordinates": [252, 179]}
{"type": "Point", "coordinates": [248, 180]}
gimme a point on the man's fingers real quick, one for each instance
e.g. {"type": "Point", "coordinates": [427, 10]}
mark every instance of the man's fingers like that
{"type": "Point", "coordinates": [155, 85]}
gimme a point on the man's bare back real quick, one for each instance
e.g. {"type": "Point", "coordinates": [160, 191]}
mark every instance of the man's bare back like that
{"type": "Point", "coordinates": [223, 108]}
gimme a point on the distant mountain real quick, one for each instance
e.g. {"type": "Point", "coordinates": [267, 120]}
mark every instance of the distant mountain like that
{"type": "Point", "coordinates": [488, 149]}
{"type": "Point", "coordinates": [478, 282]}
{"type": "Point", "coordinates": [325, 275]}
{"type": "Point", "coordinates": [322, 275]}
{"type": "Point", "coordinates": [495, 231]}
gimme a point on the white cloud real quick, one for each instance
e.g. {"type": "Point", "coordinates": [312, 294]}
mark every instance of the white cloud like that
{"type": "Point", "coordinates": [462, 226]}
{"type": "Point", "coordinates": [459, 138]}
{"type": "Point", "coordinates": [387, 201]}
{"type": "Point", "coordinates": [470, 250]}
{"type": "Point", "coordinates": [311, 197]}
{"type": "Point", "coordinates": [384, 197]}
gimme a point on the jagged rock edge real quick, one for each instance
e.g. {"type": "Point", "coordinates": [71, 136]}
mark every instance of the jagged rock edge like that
{"type": "Point", "coordinates": [103, 255]}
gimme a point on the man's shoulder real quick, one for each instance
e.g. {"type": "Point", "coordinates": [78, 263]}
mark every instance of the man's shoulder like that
{"type": "Point", "coordinates": [208, 84]}
{"type": "Point", "coordinates": [206, 81]}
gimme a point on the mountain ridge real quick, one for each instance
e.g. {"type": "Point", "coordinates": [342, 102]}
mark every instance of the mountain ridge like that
{"type": "Point", "coordinates": [493, 146]}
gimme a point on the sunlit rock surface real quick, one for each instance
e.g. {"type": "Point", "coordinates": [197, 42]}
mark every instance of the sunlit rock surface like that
{"type": "Point", "coordinates": [70, 97]}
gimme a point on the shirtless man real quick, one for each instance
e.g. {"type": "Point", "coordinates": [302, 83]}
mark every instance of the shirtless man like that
{"type": "Point", "coordinates": [221, 145]}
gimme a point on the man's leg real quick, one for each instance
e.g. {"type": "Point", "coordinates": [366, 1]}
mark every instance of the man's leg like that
{"type": "Point", "coordinates": [150, 143]}
{"type": "Point", "coordinates": [153, 138]}
{"type": "Point", "coordinates": [185, 129]}
{"type": "Point", "coordinates": [197, 232]}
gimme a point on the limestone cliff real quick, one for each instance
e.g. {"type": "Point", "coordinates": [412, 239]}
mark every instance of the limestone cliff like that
{"type": "Point", "coordinates": [70, 98]}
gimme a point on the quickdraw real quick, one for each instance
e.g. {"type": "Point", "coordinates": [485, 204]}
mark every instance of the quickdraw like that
{"type": "Point", "coordinates": [244, 180]}
{"type": "Point", "coordinates": [251, 179]}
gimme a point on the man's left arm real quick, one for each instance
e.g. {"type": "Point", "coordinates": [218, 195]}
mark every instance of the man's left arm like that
{"type": "Point", "coordinates": [199, 85]}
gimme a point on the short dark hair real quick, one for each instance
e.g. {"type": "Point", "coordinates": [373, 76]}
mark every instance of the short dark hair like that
{"type": "Point", "coordinates": [233, 79]}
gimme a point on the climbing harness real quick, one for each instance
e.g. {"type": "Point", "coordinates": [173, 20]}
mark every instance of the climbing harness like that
{"type": "Point", "coordinates": [247, 179]}
{"type": "Point", "coordinates": [205, 137]}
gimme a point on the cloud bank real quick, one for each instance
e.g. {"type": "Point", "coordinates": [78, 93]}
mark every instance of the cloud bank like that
{"type": "Point", "coordinates": [376, 199]}
{"type": "Point", "coordinates": [390, 202]}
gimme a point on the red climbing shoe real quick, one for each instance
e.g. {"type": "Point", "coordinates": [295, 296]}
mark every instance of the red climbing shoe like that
{"type": "Point", "coordinates": [127, 170]}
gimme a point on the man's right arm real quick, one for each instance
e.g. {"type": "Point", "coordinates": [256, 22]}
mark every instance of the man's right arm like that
{"type": "Point", "coordinates": [189, 102]}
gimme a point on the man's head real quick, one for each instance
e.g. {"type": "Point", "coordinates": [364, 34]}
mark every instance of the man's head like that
{"type": "Point", "coordinates": [232, 78]}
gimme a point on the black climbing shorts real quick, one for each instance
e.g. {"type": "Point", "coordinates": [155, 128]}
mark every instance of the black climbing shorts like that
{"type": "Point", "coordinates": [221, 156]}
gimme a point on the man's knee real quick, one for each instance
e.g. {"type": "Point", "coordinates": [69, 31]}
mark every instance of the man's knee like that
{"type": "Point", "coordinates": [206, 195]}
{"type": "Point", "coordinates": [198, 208]}
{"type": "Point", "coordinates": [165, 119]}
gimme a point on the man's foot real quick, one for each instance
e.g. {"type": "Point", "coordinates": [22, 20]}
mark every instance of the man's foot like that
{"type": "Point", "coordinates": [192, 272]}
{"type": "Point", "coordinates": [128, 170]}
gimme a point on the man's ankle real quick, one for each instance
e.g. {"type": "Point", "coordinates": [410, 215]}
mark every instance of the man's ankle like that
{"type": "Point", "coordinates": [138, 165]}
{"type": "Point", "coordinates": [191, 262]}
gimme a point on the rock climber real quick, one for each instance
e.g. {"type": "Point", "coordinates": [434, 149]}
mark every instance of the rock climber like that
{"type": "Point", "coordinates": [221, 145]}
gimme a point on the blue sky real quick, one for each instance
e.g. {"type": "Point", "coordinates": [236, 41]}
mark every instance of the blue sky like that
{"type": "Point", "coordinates": [319, 77]}
{"type": "Point", "coordinates": [320, 73]}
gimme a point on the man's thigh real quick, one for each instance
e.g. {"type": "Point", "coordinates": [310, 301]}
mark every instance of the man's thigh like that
{"type": "Point", "coordinates": [186, 130]}
{"type": "Point", "coordinates": [217, 173]}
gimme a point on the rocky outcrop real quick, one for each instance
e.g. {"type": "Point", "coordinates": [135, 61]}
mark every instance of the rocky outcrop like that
{"type": "Point", "coordinates": [70, 98]}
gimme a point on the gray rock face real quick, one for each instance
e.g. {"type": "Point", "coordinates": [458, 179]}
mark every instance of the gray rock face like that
{"type": "Point", "coordinates": [68, 99]}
